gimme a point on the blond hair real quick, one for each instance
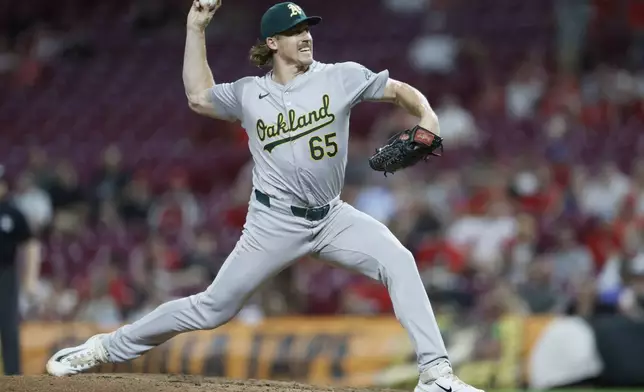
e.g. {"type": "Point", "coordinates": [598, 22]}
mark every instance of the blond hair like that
{"type": "Point", "coordinates": [261, 55]}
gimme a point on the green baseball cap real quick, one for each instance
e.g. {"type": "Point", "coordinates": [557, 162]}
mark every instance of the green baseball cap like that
{"type": "Point", "coordinates": [283, 16]}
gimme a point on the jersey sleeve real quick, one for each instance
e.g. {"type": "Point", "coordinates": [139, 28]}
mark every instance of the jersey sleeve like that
{"type": "Point", "coordinates": [227, 98]}
{"type": "Point", "coordinates": [360, 83]}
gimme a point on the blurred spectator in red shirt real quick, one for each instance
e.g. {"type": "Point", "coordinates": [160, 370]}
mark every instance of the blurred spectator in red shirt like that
{"type": "Point", "coordinates": [320, 285]}
{"type": "Point", "coordinates": [177, 209]}
{"type": "Point", "coordinates": [366, 297]}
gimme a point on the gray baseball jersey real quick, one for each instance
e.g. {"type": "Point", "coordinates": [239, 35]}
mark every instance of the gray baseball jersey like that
{"type": "Point", "coordinates": [298, 132]}
{"type": "Point", "coordinates": [298, 136]}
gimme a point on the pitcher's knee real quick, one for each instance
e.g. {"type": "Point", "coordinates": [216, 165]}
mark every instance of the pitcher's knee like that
{"type": "Point", "coordinates": [400, 265]}
{"type": "Point", "coordinates": [217, 309]}
{"type": "Point", "coordinates": [401, 256]}
{"type": "Point", "coordinates": [407, 261]}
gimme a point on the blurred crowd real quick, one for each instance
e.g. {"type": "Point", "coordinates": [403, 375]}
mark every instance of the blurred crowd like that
{"type": "Point", "coordinates": [557, 229]}
{"type": "Point", "coordinates": [522, 236]}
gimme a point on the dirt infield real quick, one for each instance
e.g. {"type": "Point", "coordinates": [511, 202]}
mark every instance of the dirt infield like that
{"type": "Point", "coordinates": [155, 383]}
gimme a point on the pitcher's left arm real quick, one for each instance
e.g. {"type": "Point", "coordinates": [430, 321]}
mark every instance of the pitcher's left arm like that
{"type": "Point", "coordinates": [408, 146]}
{"type": "Point", "coordinates": [413, 101]}
{"type": "Point", "coordinates": [361, 84]}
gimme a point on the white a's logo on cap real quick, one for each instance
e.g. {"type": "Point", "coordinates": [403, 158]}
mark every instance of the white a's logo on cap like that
{"type": "Point", "coordinates": [295, 9]}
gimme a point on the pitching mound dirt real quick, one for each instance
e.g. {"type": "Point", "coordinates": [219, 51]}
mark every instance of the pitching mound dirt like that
{"type": "Point", "coordinates": [154, 383]}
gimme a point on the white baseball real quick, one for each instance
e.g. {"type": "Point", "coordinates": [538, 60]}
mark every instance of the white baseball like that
{"type": "Point", "coordinates": [207, 3]}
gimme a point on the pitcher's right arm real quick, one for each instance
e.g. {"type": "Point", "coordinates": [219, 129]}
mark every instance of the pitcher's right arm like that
{"type": "Point", "coordinates": [197, 76]}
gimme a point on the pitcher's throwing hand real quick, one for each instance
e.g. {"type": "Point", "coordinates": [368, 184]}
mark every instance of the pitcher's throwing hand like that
{"type": "Point", "coordinates": [202, 12]}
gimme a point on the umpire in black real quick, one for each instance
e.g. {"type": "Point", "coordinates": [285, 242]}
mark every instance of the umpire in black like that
{"type": "Point", "coordinates": [15, 238]}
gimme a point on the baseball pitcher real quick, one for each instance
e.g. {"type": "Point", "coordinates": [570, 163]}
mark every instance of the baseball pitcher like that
{"type": "Point", "coordinates": [297, 119]}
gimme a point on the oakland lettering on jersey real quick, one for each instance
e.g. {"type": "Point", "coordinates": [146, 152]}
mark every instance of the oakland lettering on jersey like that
{"type": "Point", "coordinates": [318, 119]}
